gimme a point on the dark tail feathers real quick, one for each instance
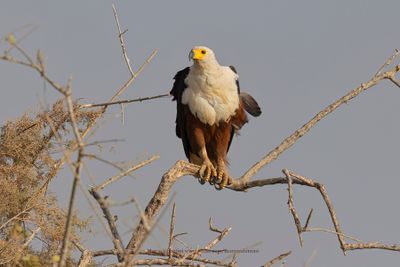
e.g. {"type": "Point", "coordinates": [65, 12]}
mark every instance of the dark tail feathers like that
{"type": "Point", "coordinates": [250, 104]}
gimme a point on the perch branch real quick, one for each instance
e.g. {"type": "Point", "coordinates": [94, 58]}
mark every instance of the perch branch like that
{"type": "Point", "coordinates": [182, 168]}
{"type": "Point", "coordinates": [157, 202]}
{"type": "Point", "coordinates": [289, 141]}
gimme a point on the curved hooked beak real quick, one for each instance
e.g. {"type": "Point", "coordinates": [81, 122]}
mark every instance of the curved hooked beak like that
{"type": "Point", "coordinates": [191, 54]}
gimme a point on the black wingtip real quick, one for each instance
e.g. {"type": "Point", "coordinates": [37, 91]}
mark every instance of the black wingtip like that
{"type": "Point", "coordinates": [250, 104]}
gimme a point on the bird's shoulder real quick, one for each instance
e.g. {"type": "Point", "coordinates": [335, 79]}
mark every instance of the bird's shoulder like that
{"type": "Point", "coordinates": [232, 68]}
{"type": "Point", "coordinates": [182, 73]}
{"type": "Point", "coordinates": [179, 84]}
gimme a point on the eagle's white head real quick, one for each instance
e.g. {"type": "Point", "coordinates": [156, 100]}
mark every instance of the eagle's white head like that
{"type": "Point", "coordinates": [203, 57]}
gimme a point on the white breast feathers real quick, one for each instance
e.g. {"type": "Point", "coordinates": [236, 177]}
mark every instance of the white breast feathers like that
{"type": "Point", "coordinates": [212, 95]}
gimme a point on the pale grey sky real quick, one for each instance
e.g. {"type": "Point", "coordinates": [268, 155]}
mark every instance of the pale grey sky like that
{"type": "Point", "coordinates": [294, 57]}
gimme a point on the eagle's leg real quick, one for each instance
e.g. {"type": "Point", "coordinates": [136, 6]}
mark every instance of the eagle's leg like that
{"type": "Point", "coordinates": [207, 169]}
{"type": "Point", "coordinates": [222, 140]}
{"type": "Point", "coordinates": [200, 157]}
{"type": "Point", "coordinates": [222, 177]}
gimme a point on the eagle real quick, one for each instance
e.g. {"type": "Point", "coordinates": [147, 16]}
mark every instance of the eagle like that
{"type": "Point", "coordinates": [210, 110]}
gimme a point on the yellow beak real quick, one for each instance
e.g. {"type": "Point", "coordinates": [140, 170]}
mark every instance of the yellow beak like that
{"type": "Point", "coordinates": [196, 54]}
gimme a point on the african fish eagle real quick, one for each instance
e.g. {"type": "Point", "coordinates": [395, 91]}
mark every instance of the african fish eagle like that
{"type": "Point", "coordinates": [210, 110]}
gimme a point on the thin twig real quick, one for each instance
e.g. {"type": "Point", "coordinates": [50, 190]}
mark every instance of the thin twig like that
{"type": "Point", "coordinates": [121, 41]}
{"type": "Point", "coordinates": [29, 240]}
{"type": "Point", "coordinates": [141, 99]}
{"type": "Point", "coordinates": [331, 232]}
{"type": "Point", "coordinates": [388, 62]}
{"type": "Point", "coordinates": [29, 32]}
{"type": "Point", "coordinates": [212, 228]}
{"type": "Point", "coordinates": [142, 215]}
{"type": "Point", "coordinates": [131, 79]}
{"type": "Point", "coordinates": [395, 81]}
{"type": "Point", "coordinates": [76, 173]}
{"type": "Point", "coordinates": [171, 231]}
{"type": "Point", "coordinates": [308, 220]}
{"type": "Point", "coordinates": [126, 172]}
{"type": "Point", "coordinates": [117, 240]}
{"type": "Point", "coordinates": [277, 259]}
{"type": "Point", "coordinates": [210, 245]}
{"type": "Point", "coordinates": [93, 156]}
{"type": "Point", "coordinates": [329, 205]}
{"type": "Point", "coordinates": [36, 67]}
{"type": "Point", "coordinates": [291, 207]}
{"type": "Point", "coordinates": [16, 216]}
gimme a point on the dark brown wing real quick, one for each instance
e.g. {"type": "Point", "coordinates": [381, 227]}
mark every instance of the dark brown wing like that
{"type": "Point", "coordinates": [177, 91]}
{"type": "Point", "coordinates": [250, 104]}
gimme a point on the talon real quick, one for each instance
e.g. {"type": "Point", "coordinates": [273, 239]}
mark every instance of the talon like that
{"type": "Point", "coordinates": [218, 179]}
{"type": "Point", "coordinates": [218, 187]}
{"type": "Point", "coordinates": [222, 177]}
{"type": "Point", "coordinates": [206, 171]}
{"type": "Point", "coordinates": [224, 182]}
{"type": "Point", "coordinates": [214, 172]}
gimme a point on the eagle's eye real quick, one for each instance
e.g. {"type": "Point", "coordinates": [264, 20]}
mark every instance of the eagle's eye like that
{"type": "Point", "coordinates": [203, 52]}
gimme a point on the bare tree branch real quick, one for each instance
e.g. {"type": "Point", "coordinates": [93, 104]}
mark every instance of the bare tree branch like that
{"type": "Point", "coordinates": [331, 232]}
{"type": "Point", "coordinates": [211, 244]}
{"type": "Point", "coordinates": [117, 240]}
{"type": "Point", "coordinates": [372, 245]}
{"type": "Point", "coordinates": [171, 232]}
{"type": "Point", "coordinates": [85, 259]}
{"type": "Point", "coordinates": [77, 177]}
{"type": "Point", "coordinates": [126, 172]}
{"type": "Point", "coordinates": [121, 41]}
{"type": "Point", "coordinates": [157, 202]}
{"type": "Point", "coordinates": [163, 253]}
{"type": "Point", "coordinates": [388, 62]}
{"type": "Point", "coordinates": [277, 259]}
{"type": "Point", "coordinates": [212, 228]}
{"type": "Point", "coordinates": [141, 99]}
{"type": "Point", "coordinates": [291, 207]}
{"type": "Point", "coordinates": [36, 67]}
{"type": "Point", "coordinates": [289, 141]}
{"type": "Point", "coordinates": [395, 81]}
